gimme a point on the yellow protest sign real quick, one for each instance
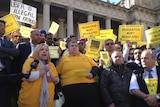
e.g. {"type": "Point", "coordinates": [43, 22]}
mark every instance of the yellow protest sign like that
{"type": "Point", "coordinates": [130, 32]}
{"type": "Point", "coordinates": [106, 34]}
{"type": "Point", "coordinates": [53, 51]}
{"type": "Point", "coordinates": [54, 28]}
{"type": "Point", "coordinates": [89, 29]}
{"type": "Point", "coordinates": [11, 23]}
{"type": "Point", "coordinates": [25, 31]}
{"type": "Point", "coordinates": [62, 45]}
{"type": "Point", "coordinates": [106, 58]}
{"type": "Point", "coordinates": [153, 35]}
{"type": "Point", "coordinates": [141, 43]}
{"type": "Point", "coordinates": [152, 84]}
{"type": "Point", "coordinates": [93, 47]}
{"type": "Point", "coordinates": [82, 73]}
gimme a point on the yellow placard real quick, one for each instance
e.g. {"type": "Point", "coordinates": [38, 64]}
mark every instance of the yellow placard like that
{"type": "Point", "coordinates": [107, 34]}
{"type": "Point", "coordinates": [152, 84]}
{"type": "Point", "coordinates": [54, 28]}
{"type": "Point", "coordinates": [93, 47]}
{"type": "Point", "coordinates": [141, 43]}
{"type": "Point", "coordinates": [53, 51]}
{"type": "Point", "coordinates": [105, 57]}
{"type": "Point", "coordinates": [130, 32]}
{"type": "Point", "coordinates": [153, 35]}
{"type": "Point", "coordinates": [81, 73]}
{"type": "Point", "coordinates": [25, 31]}
{"type": "Point", "coordinates": [11, 23]}
{"type": "Point", "coordinates": [62, 45]}
{"type": "Point", "coordinates": [89, 29]}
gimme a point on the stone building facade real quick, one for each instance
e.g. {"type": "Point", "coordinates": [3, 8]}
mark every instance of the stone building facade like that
{"type": "Point", "coordinates": [69, 13]}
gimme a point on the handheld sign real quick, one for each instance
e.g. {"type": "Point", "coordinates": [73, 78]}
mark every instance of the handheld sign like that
{"type": "Point", "coordinates": [11, 23]}
{"type": "Point", "coordinates": [130, 32]}
{"type": "Point", "coordinates": [88, 29]}
{"type": "Point", "coordinates": [153, 35]}
{"type": "Point", "coordinates": [23, 13]}
{"type": "Point", "coordinates": [54, 28]}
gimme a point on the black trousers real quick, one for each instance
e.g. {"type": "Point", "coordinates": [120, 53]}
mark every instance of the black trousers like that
{"type": "Point", "coordinates": [81, 95]}
{"type": "Point", "coordinates": [7, 88]}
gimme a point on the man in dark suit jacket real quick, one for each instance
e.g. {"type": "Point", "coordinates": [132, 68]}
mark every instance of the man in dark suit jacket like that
{"type": "Point", "coordinates": [145, 82]}
{"type": "Point", "coordinates": [25, 49]}
{"type": "Point", "coordinates": [7, 53]}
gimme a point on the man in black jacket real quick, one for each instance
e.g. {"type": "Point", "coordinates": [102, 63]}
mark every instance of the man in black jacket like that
{"type": "Point", "coordinates": [114, 83]}
{"type": "Point", "coordinates": [7, 53]}
{"type": "Point", "coordinates": [145, 82]}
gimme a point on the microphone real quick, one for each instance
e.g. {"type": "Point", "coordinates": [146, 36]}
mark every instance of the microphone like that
{"type": "Point", "coordinates": [33, 66]}
{"type": "Point", "coordinates": [45, 59]}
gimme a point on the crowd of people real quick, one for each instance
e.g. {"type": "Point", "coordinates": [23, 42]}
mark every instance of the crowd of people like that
{"type": "Point", "coordinates": [29, 76]}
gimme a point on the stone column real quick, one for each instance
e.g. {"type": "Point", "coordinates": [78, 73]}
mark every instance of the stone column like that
{"type": "Point", "coordinates": [108, 23]}
{"type": "Point", "coordinates": [46, 15]}
{"type": "Point", "coordinates": [145, 28]}
{"type": "Point", "coordinates": [61, 28]}
{"type": "Point", "coordinates": [90, 17]}
{"type": "Point", "coordinates": [69, 21]}
{"type": "Point", "coordinates": [39, 21]}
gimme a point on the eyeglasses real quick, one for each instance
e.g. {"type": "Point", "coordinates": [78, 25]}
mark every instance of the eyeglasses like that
{"type": "Point", "coordinates": [137, 53]}
{"type": "Point", "coordinates": [17, 36]}
{"type": "Point", "coordinates": [109, 44]}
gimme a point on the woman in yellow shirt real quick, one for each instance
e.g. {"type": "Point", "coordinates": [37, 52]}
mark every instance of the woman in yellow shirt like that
{"type": "Point", "coordinates": [38, 89]}
{"type": "Point", "coordinates": [77, 73]}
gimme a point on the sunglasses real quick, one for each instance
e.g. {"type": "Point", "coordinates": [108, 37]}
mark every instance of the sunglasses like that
{"type": "Point", "coordinates": [109, 44]}
{"type": "Point", "coordinates": [137, 53]}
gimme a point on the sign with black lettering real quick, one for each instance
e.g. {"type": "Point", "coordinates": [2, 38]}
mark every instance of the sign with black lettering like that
{"type": "Point", "coordinates": [23, 13]}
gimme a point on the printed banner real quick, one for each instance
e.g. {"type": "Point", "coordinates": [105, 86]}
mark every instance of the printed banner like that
{"type": "Point", "coordinates": [152, 84]}
{"type": "Point", "coordinates": [106, 58]}
{"type": "Point", "coordinates": [89, 29]}
{"type": "Point", "coordinates": [107, 34]}
{"type": "Point", "coordinates": [11, 23]}
{"type": "Point", "coordinates": [53, 51]}
{"type": "Point", "coordinates": [130, 32]}
{"type": "Point", "coordinates": [23, 13]}
{"type": "Point", "coordinates": [153, 35]}
{"type": "Point", "coordinates": [93, 47]}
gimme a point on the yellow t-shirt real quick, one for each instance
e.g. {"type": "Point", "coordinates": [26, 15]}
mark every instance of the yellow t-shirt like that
{"type": "Point", "coordinates": [74, 69]}
{"type": "Point", "coordinates": [29, 95]}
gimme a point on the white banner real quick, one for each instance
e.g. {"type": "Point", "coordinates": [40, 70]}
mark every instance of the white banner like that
{"type": "Point", "coordinates": [23, 13]}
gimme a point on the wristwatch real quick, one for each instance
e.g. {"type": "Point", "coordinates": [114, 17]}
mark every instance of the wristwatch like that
{"type": "Point", "coordinates": [158, 97]}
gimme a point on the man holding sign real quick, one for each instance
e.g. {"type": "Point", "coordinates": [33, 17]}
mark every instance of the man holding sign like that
{"type": "Point", "coordinates": [145, 83]}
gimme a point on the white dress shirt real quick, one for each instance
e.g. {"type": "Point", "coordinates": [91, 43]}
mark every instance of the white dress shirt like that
{"type": "Point", "coordinates": [134, 83]}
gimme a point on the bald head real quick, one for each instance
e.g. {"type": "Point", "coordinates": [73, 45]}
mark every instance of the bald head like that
{"type": "Point", "coordinates": [148, 59]}
{"type": "Point", "coordinates": [117, 58]}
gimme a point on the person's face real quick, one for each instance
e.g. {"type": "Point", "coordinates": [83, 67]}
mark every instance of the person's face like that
{"type": "Point", "coordinates": [49, 40]}
{"type": "Point", "coordinates": [147, 60]}
{"type": "Point", "coordinates": [137, 54]}
{"type": "Point", "coordinates": [81, 46]}
{"type": "Point", "coordinates": [36, 37]}
{"type": "Point", "coordinates": [17, 38]}
{"type": "Point", "coordinates": [43, 39]}
{"type": "Point", "coordinates": [2, 29]}
{"type": "Point", "coordinates": [44, 51]}
{"type": "Point", "coordinates": [109, 45]}
{"type": "Point", "coordinates": [73, 48]}
{"type": "Point", "coordinates": [117, 58]}
{"type": "Point", "coordinates": [117, 47]}
{"type": "Point", "coordinates": [131, 54]}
